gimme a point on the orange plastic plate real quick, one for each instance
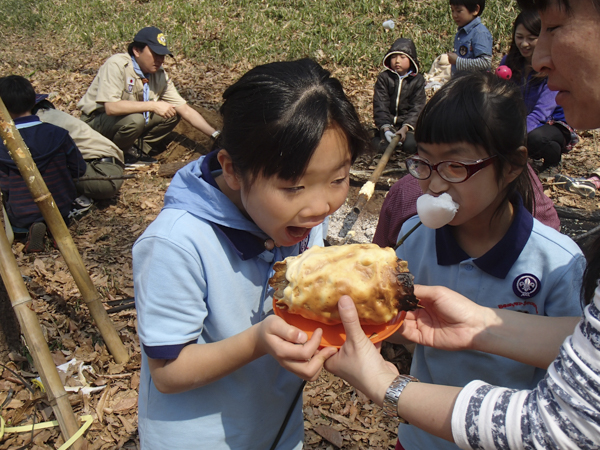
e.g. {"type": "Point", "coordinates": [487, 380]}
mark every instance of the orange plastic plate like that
{"type": "Point", "coordinates": [334, 335]}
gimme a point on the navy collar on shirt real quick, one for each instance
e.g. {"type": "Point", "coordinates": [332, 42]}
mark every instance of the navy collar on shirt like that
{"type": "Point", "coordinates": [27, 120]}
{"type": "Point", "coordinates": [472, 24]}
{"type": "Point", "coordinates": [246, 244]}
{"type": "Point", "coordinates": [498, 260]}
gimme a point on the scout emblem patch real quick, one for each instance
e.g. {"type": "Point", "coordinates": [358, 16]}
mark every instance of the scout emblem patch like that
{"type": "Point", "coordinates": [130, 83]}
{"type": "Point", "coordinates": [526, 285]}
{"type": "Point", "coordinates": [162, 40]}
{"type": "Point", "coordinates": [462, 51]}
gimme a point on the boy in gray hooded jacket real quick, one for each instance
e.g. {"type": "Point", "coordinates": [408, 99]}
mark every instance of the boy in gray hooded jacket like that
{"type": "Point", "coordinates": [399, 96]}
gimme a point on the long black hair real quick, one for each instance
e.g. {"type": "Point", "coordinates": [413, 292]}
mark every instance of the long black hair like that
{"type": "Point", "coordinates": [482, 109]}
{"type": "Point", "coordinates": [530, 19]}
{"type": "Point", "coordinates": [275, 115]}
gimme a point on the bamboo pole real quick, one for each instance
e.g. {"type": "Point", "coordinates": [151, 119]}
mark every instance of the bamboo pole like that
{"type": "Point", "coordinates": [42, 197]}
{"type": "Point", "coordinates": [31, 329]}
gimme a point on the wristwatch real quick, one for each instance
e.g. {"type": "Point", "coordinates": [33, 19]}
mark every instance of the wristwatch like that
{"type": "Point", "coordinates": [215, 134]}
{"type": "Point", "coordinates": [390, 401]}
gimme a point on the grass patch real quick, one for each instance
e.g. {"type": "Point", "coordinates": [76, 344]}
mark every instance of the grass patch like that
{"type": "Point", "coordinates": [334, 32]}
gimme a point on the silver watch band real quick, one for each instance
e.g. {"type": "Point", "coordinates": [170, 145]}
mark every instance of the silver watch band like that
{"type": "Point", "coordinates": [390, 401]}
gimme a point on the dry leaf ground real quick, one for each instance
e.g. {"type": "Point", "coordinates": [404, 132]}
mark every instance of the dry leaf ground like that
{"type": "Point", "coordinates": [335, 415]}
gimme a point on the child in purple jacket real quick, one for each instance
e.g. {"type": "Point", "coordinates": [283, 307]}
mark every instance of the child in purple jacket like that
{"type": "Point", "coordinates": [549, 135]}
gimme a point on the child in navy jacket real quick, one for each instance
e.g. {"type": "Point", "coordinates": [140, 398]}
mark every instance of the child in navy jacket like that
{"type": "Point", "coordinates": [57, 157]}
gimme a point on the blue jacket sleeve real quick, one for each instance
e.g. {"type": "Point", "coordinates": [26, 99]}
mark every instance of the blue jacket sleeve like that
{"type": "Point", "coordinates": [482, 42]}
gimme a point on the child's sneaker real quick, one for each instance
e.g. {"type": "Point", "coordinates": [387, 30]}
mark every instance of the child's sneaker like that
{"type": "Point", "coordinates": [581, 186]}
{"type": "Point", "coordinates": [81, 205]}
{"type": "Point", "coordinates": [35, 238]}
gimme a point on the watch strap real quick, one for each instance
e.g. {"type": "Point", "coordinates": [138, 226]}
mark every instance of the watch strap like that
{"type": "Point", "coordinates": [392, 395]}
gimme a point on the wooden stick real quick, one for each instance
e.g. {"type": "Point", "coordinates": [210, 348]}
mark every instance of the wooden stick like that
{"type": "Point", "coordinates": [367, 190]}
{"type": "Point", "coordinates": [31, 329]}
{"type": "Point", "coordinates": [42, 197]}
{"type": "Point", "coordinates": [408, 233]}
{"type": "Point", "coordinates": [109, 177]}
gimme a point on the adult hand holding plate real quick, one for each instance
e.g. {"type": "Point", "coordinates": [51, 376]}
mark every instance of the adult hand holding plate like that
{"type": "Point", "coordinates": [358, 361]}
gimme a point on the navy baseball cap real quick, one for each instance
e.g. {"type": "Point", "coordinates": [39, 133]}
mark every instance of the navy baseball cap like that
{"type": "Point", "coordinates": [40, 97]}
{"type": "Point", "coordinates": [153, 38]}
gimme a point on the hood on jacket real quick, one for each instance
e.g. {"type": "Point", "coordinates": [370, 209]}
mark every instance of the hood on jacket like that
{"type": "Point", "coordinates": [191, 192]}
{"type": "Point", "coordinates": [406, 46]}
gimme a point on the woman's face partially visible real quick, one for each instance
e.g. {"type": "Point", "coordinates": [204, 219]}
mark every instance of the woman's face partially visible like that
{"type": "Point", "coordinates": [525, 42]}
{"type": "Point", "coordinates": [567, 52]}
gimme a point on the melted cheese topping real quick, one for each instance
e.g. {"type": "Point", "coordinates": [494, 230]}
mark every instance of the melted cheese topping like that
{"type": "Point", "coordinates": [320, 276]}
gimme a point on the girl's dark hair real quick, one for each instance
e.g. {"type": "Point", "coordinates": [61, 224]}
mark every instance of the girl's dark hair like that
{"type": "Point", "coordinates": [481, 109]}
{"type": "Point", "coordinates": [530, 19]}
{"type": "Point", "coordinates": [471, 5]}
{"type": "Point", "coordinates": [17, 93]}
{"type": "Point", "coordinates": [275, 115]}
{"type": "Point", "coordinates": [542, 5]}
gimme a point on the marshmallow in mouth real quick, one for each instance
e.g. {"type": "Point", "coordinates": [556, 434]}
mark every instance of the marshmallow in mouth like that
{"type": "Point", "coordinates": [435, 212]}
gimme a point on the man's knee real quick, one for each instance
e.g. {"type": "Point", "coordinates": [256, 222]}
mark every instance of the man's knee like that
{"type": "Point", "coordinates": [132, 124]}
{"type": "Point", "coordinates": [99, 189]}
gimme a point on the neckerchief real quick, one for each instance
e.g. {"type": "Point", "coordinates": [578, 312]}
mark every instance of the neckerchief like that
{"type": "Point", "coordinates": [144, 78]}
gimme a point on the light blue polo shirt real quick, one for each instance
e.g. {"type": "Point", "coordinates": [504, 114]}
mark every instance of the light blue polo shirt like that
{"type": "Point", "coordinates": [472, 41]}
{"type": "Point", "coordinates": [201, 275]}
{"type": "Point", "coordinates": [534, 269]}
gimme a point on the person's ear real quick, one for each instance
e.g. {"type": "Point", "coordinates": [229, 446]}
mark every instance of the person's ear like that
{"type": "Point", "coordinates": [232, 179]}
{"type": "Point", "coordinates": [136, 52]}
{"type": "Point", "coordinates": [477, 9]}
{"type": "Point", "coordinates": [512, 170]}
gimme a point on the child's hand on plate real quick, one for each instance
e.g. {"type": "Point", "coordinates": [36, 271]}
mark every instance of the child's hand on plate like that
{"type": "Point", "coordinates": [291, 347]}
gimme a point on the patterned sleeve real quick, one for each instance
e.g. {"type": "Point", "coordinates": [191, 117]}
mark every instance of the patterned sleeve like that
{"type": "Point", "coordinates": [562, 412]}
{"type": "Point", "coordinates": [483, 62]}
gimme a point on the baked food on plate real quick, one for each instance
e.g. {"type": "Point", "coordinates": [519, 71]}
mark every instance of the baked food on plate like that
{"type": "Point", "coordinates": [311, 283]}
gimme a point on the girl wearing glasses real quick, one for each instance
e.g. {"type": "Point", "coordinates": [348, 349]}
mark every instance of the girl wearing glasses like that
{"type": "Point", "coordinates": [471, 144]}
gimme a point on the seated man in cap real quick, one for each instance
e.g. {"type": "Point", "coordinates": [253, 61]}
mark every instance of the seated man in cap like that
{"type": "Point", "coordinates": [132, 98]}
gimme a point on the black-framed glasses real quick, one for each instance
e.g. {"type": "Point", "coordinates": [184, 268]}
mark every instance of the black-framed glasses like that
{"type": "Point", "coordinates": [451, 171]}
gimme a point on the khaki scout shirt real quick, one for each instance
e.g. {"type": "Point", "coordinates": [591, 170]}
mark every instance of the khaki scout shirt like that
{"type": "Point", "coordinates": [91, 144]}
{"type": "Point", "coordinates": [116, 80]}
